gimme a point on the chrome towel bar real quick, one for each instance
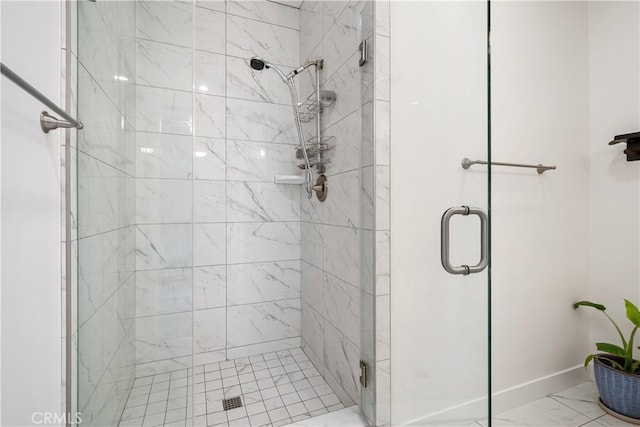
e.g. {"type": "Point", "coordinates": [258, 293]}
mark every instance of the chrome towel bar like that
{"type": "Point", "coordinates": [47, 121]}
{"type": "Point", "coordinates": [466, 164]}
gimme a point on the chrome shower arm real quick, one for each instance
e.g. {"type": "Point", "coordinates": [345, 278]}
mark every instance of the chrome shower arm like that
{"type": "Point", "coordinates": [310, 63]}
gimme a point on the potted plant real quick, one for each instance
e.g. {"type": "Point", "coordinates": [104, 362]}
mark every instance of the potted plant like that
{"type": "Point", "coordinates": [616, 372]}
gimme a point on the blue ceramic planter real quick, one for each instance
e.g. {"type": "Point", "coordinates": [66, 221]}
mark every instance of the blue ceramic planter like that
{"type": "Point", "coordinates": [618, 390]}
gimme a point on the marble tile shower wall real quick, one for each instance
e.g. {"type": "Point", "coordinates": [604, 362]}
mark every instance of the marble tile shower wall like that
{"type": "Point", "coordinates": [218, 243]}
{"type": "Point", "coordinates": [163, 207]}
{"type": "Point", "coordinates": [332, 232]}
{"type": "Point", "coordinates": [105, 210]}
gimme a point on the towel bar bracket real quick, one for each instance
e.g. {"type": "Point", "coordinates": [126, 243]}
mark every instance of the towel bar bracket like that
{"type": "Point", "coordinates": [49, 122]}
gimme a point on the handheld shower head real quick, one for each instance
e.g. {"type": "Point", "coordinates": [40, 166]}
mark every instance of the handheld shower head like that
{"type": "Point", "coordinates": [257, 63]}
{"type": "Point", "coordinates": [260, 64]}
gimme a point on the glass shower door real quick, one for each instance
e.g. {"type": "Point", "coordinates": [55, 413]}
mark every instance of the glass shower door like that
{"type": "Point", "coordinates": [439, 222]}
{"type": "Point", "coordinates": [136, 317]}
{"type": "Point", "coordinates": [106, 271]}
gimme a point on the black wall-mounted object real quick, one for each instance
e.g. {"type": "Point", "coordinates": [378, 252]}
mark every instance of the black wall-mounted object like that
{"type": "Point", "coordinates": [633, 145]}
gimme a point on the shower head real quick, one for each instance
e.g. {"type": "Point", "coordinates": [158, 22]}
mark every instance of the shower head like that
{"type": "Point", "coordinates": [258, 63]}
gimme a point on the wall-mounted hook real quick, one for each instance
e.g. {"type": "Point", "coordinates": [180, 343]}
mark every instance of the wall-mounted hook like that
{"type": "Point", "coordinates": [633, 144]}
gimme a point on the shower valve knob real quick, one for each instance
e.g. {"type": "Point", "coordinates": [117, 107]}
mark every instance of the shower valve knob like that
{"type": "Point", "coordinates": [321, 188]}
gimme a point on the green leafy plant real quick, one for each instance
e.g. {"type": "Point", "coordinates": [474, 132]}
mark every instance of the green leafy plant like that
{"type": "Point", "coordinates": [626, 351]}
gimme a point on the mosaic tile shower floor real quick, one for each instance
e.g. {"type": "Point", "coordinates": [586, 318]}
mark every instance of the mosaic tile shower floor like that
{"type": "Point", "coordinates": [276, 389]}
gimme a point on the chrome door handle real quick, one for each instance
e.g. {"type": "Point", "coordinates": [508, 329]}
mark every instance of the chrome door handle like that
{"type": "Point", "coordinates": [444, 240]}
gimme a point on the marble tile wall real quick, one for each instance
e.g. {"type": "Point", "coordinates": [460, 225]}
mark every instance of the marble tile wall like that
{"type": "Point", "coordinates": [164, 186]}
{"type": "Point", "coordinates": [218, 243]}
{"type": "Point", "coordinates": [102, 218]}
{"type": "Point", "coordinates": [335, 232]}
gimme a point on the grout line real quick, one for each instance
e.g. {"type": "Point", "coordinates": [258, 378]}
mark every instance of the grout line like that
{"type": "Point", "coordinates": [344, 116]}
{"type": "Point", "coordinates": [70, 306]}
{"type": "Point", "coordinates": [193, 311]}
{"type": "Point", "coordinates": [80, 151]}
{"type": "Point", "coordinates": [219, 139]}
{"type": "Point", "coordinates": [220, 265]}
{"type": "Point", "coordinates": [193, 202]}
{"type": "Point", "coordinates": [552, 397]}
{"type": "Point", "coordinates": [186, 135]}
{"type": "Point", "coordinates": [334, 276]}
{"type": "Point", "coordinates": [148, 397]}
{"type": "Point", "coordinates": [343, 334]}
{"type": "Point", "coordinates": [104, 93]}
{"type": "Point", "coordinates": [214, 95]}
{"type": "Point", "coordinates": [263, 22]}
{"type": "Point", "coordinates": [291, 221]}
{"type": "Point", "coordinates": [597, 418]}
{"type": "Point", "coordinates": [93, 392]}
{"type": "Point", "coordinates": [278, 391]}
{"type": "Point", "coordinates": [98, 308]}
{"type": "Point", "coordinates": [226, 176]}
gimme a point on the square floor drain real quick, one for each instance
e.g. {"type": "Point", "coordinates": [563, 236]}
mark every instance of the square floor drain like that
{"type": "Point", "coordinates": [232, 403]}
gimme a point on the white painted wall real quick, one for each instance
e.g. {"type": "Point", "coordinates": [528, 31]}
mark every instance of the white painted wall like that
{"type": "Point", "coordinates": [614, 189]}
{"type": "Point", "coordinates": [30, 215]}
{"type": "Point", "coordinates": [565, 80]}
{"type": "Point", "coordinates": [540, 223]}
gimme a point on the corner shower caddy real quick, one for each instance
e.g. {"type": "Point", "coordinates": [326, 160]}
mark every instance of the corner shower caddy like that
{"type": "Point", "coordinates": [318, 145]}
{"type": "Point", "coordinates": [313, 150]}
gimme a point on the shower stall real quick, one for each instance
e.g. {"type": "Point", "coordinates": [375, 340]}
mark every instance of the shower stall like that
{"type": "Point", "coordinates": [223, 242]}
{"type": "Point", "coordinates": [398, 227]}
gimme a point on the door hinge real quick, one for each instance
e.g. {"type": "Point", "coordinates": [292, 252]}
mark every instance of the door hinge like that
{"type": "Point", "coordinates": [364, 374]}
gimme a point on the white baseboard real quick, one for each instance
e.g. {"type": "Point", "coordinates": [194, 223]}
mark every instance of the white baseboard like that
{"type": "Point", "coordinates": [476, 410]}
{"type": "Point", "coordinates": [538, 388]}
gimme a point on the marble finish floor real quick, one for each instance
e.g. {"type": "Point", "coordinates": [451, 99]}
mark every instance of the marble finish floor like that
{"type": "Point", "coordinates": [574, 407]}
{"type": "Point", "coordinates": [276, 389]}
